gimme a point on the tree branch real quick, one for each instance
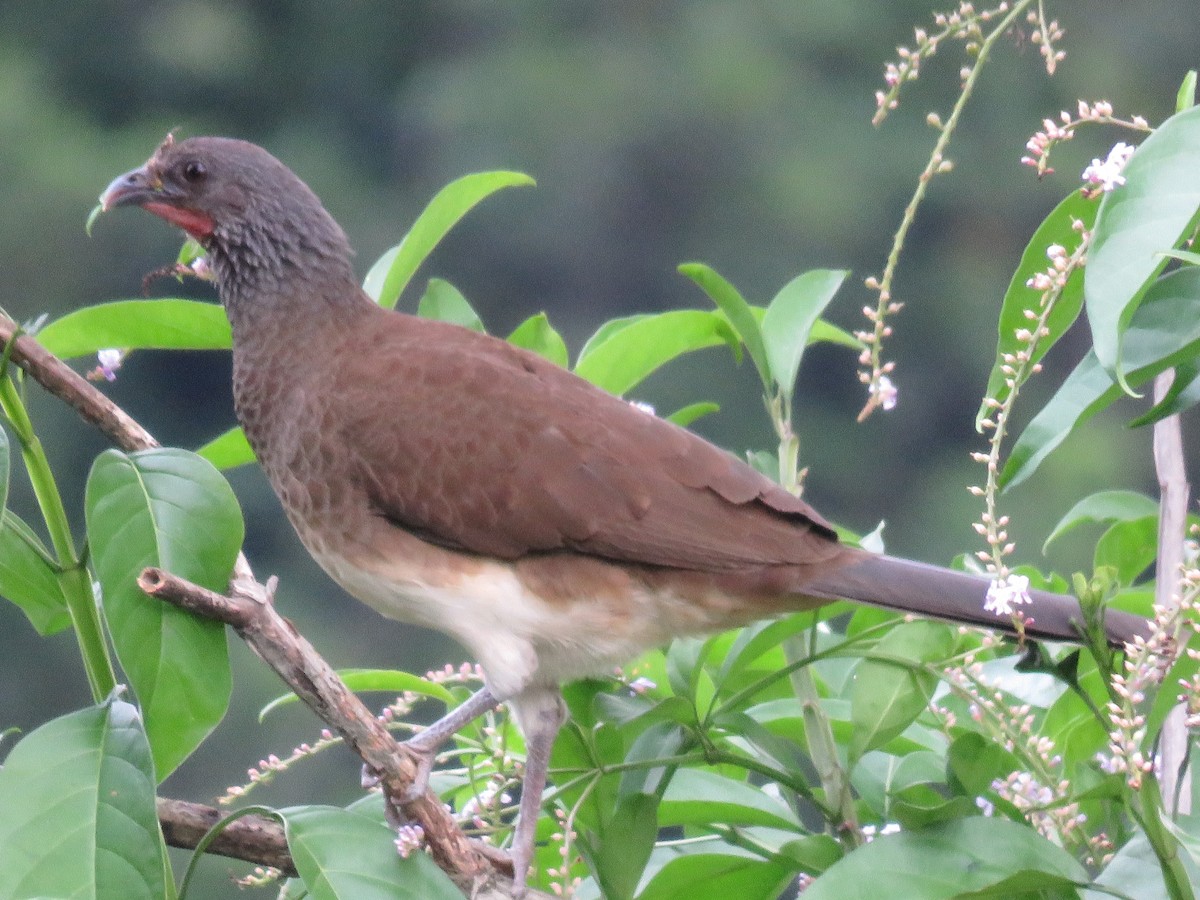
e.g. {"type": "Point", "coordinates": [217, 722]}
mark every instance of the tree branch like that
{"type": "Point", "coordinates": [255, 839]}
{"type": "Point", "coordinates": [73, 389]}
{"type": "Point", "coordinates": [475, 867]}
{"type": "Point", "coordinates": [250, 611]}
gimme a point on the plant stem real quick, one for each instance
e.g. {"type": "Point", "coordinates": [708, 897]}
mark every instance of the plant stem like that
{"type": "Point", "coordinates": [1164, 844]}
{"type": "Point", "coordinates": [73, 576]}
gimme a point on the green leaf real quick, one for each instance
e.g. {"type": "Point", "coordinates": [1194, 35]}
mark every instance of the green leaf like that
{"type": "Point", "coordinates": [138, 324]}
{"type": "Point", "coordinates": [1185, 97]}
{"type": "Point", "coordinates": [1056, 228]}
{"type": "Point", "coordinates": [1103, 506]}
{"type": "Point", "coordinates": [1128, 547]}
{"type": "Point", "coordinates": [788, 323]}
{"type": "Point", "coordinates": [190, 252]}
{"type": "Point", "coordinates": [974, 762]}
{"type": "Point", "coordinates": [536, 334]}
{"type": "Point", "coordinates": [699, 797]}
{"type": "Point", "coordinates": [360, 680]}
{"type": "Point", "coordinates": [694, 875]}
{"type": "Point", "coordinates": [345, 855]}
{"type": "Point", "coordinates": [392, 272]}
{"type": "Point", "coordinates": [444, 302]}
{"type": "Point", "coordinates": [79, 818]}
{"type": "Point", "coordinates": [887, 695]}
{"type": "Point", "coordinates": [1164, 332]}
{"type": "Point", "coordinates": [625, 351]}
{"type": "Point", "coordinates": [166, 508]}
{"type": "Point", "coordinates": [29, 579]}
{"type": "Point", "coordinates": [1183, 394]}
{"type": "Point", "coordinates": [952, 859]}
{"type": "Point", "coordinates": [1184, 256]}
{"type": "Point", "coordinates": [686, 415]}
{"type": "Point", "coordinates": [624, 844]}
{"type": "Point", "coordinates": [228, 450]}
{"type": "Point", "coordinates": [1158, 205]}
{"type": "Point", "coordinates": [739, 313]}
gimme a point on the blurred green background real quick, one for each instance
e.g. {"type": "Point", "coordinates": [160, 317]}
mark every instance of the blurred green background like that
{"type": "Point", "coordinates": [735, 133]}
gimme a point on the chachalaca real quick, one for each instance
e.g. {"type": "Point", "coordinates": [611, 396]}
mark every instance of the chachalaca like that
{"type": "Point", "coordinates": [455, 481]}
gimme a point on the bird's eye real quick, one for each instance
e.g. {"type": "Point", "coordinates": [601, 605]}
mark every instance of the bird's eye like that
{"type": "Point", "coordinates": [194, 170]}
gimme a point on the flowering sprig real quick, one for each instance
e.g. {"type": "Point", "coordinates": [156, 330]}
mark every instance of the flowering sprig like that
{"type": "Point", "coordinates": [1017, 368]}
{"type": "Point", "coordinates": [969, 25]}
{"type": "Point", "coordinates": [394, 716]}
{"type": "Point", "coordinates": [1055, 132]}
{"type": "Point", "coordinates": [1147, 662]}
{"type": "Point", "coordinates": [1045, 33]}
{"type": "Point", "coordinates": [1040, 789]}
{"type": "Point", "coordinates": [963, 24]}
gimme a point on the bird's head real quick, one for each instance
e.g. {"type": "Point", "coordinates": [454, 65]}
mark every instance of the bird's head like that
{"type": "Point", "coordinates": [253, 215]}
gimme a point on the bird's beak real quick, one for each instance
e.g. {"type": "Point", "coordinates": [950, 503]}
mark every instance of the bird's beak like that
{"type": "Point", "coordinates": [135, 188]}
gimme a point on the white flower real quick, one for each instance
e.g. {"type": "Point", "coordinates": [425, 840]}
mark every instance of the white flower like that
{"type": "Point", "coordinates": [1005, 593]}
{"type": "Point", "coordinates": [110, 361]}
{"type": "Point", "coordinates": [641, 685]}
{"type": "Point", "coordinates": [886, 391]}
{"type": "Point", "coordinates": [1107, 174]}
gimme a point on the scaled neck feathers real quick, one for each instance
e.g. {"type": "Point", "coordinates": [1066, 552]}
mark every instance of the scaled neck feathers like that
{"type": "Point", "coordinates": [284, 256]}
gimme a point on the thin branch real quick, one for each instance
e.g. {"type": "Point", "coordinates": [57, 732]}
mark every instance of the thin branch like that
{"type": "Point", "coordinates": [249, 610]}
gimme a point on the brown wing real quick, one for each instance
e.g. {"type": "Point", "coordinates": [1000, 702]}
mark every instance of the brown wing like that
{"type": "Point", "coordinates": [491, 449]}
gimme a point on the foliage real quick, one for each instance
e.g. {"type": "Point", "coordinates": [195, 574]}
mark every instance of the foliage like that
{"type": "Point", "coordinates": [827, 748]}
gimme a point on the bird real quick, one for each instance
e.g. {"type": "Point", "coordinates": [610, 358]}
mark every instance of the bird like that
{"type": "Point", "coordinates": [452, 480]}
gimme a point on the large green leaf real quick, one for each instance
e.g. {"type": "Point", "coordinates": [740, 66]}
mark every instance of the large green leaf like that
{"type": "Point", "coordinates": [78, 820]}
{"type": "Point", "coordinates": [953, 859]}
{"type": "Point", "coordinates": [891, 687]}
{"type": "Point", "coordinates": [393, 271]}
{"type": "Point", "coordinates": [1164, 332]}
{"type": "Point", "coordinates": [138, 324]}
{"type": "Point", "coordinates": [789, 320]}
{"type": "Point", "coordinates": [345, 855]}
{"type": "Point", "coordinates": [29, 578]}
{"type": "Point", "coordinates": [740, 314]}
{"type": "Point", "coordinates": [172, 509]}
{"type": "Point", "coordinates": [625, 351]}
{"type": "Point", "coordinates": [699, 797]}
{"type": "Point", "coordinates": [1158, 205]}
{"type": "Point", "coordinates": [688, 876]}
{"type": "Point", "coordinates": [1103, 506]}
{"type": "Point", "coordinates": [1056, 228]}
{"type": "Point", "coordinates": [623, 844]}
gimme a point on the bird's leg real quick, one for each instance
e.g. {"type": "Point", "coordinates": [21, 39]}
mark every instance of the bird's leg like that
{"type": "Point", "coordinates": [540, 713]}
{"type": "Point", "coordinates": [425, 743]}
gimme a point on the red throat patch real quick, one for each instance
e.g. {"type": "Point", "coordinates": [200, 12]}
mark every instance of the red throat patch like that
{"type": "Point", "coordinates": [194, 222]}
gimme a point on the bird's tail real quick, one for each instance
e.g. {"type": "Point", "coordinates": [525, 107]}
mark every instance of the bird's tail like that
{"type": "Point", "coordinates": [925, 590]}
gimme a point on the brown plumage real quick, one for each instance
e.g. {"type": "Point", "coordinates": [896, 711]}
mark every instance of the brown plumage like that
{"type": "Point", "coordinates": [450, 479]}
